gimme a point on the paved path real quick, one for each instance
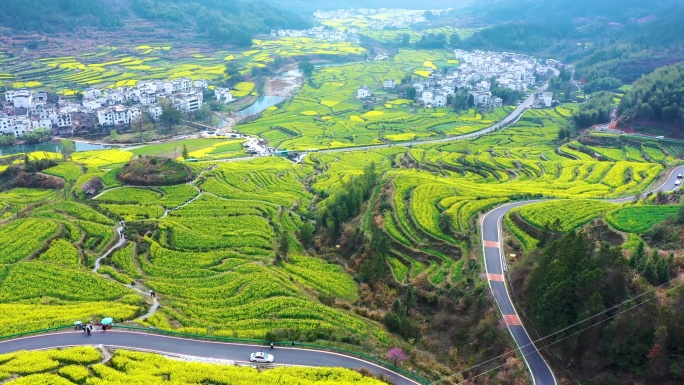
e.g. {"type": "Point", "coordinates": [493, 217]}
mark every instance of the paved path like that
{"type": "Point", "coordinates": [495, 267]}
{"type": "Point", "coordinates": [163, 344]}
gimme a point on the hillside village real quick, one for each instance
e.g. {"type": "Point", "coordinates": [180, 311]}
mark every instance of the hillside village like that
{"type": "Point", "coordinates": [477, 71]}
{"type": "Point", "coordinates": [26, 111]}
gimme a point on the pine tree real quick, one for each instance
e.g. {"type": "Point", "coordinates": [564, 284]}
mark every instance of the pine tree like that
{"type": "Point", "coordinates": [185, 153]}
{"type": "Point", "coordinates": [649, 272]}
{"type": "Point", "coordinates": [283, 245]}
{"type": "Point", "coordinates": [662, 271]}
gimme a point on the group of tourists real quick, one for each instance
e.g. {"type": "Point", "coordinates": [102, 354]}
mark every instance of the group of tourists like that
{"type": "Point", "coordinates": [88, 327]}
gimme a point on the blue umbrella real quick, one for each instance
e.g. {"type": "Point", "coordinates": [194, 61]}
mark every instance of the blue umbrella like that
{"type": "Point", "coordinates": [107, 321]}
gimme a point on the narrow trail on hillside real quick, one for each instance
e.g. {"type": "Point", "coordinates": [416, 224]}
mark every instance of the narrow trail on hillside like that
{"type": "Point", "coordinates": [122, 242]}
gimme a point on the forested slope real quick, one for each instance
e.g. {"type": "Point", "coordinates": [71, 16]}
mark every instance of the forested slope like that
{"type": "Point", "coordinates": [232, 22]}
{"type": "Point", "coordinates": [658, 97]}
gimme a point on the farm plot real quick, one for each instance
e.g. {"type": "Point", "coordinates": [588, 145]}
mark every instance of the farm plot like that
{"type": "Point", "coordinates": [86, 365]}
{"type": "Point", "coordinates": [639, 219]}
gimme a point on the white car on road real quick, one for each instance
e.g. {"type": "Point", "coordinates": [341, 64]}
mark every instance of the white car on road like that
{"type": "Point", "coordinates": [261, 357]}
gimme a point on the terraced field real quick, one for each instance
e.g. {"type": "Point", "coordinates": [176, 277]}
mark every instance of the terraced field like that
{"type": "Point", "coordinates": [125, 66]}
{"type": "Point", "coordinates": [77, 365]}
{"type": "Point", "coordinates": [326, 114]}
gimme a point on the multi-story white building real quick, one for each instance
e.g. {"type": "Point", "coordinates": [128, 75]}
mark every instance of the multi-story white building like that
{"type": "Point", "coordinates": [148, 98]}
{"type": "Point", "coordinates": [92, 93]}
{"type": "Point", "coordinates": [155, 112]}
{"type": "Point", "coordinates": [20, 98]}
{"type": "Point", "coordinates": [41, 97]}
{"type": "Point", "coordinates": [363, 92]}
{"type": "Point", "coordinates": [427, 97]}
{"type": "Point", "coordinates": [189, 103]}
{"type": "Point", "coordinates": [440, 100]}
{"type": "Point", "coordinates": [15, 125]}
{"type": "Point", "coordinates": [223, 95]}
{"type": "Point", "coordinates": [64, 120]}
{"type": "Point", "coordinates": [90, 104]}
{"type": "Point", "coordinates": [114, 116]}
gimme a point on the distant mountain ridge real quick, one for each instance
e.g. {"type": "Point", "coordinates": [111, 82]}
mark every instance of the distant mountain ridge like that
{"type": "Point", "coordinates": [553, 10]}
{"type": "Point", "coordinates": [231, 22]}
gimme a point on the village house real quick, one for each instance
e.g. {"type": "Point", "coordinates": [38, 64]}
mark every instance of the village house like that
{"type": "Point", "coordinates": [147, 98]}
{"type": "Point", "coordinates": [92, 93]}
{"type": "Point", "coordinates": [223, 95]}
{"type": "Point", "coordinates": [389, 84]}
{"type": "Point", "coordinates": [189, 102]}
{"type": "Point", "coordinates": [439, 100]}
{"type": "Point", "coordinates": [155, 112]}
{"type": "Point", "coordinates": [16, 125]}
{"type": "Point", "coordinates": [427, 97]}
{"type": "Point", "coordinates": [363, 93]}
{"type": "Point", "coordinates": [117, 116]}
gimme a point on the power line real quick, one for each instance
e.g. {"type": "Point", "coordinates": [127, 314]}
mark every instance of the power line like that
{"type": "Point", "coordinates": [631, 299]}
{"type": "Point", "coordinates": [571, 335]}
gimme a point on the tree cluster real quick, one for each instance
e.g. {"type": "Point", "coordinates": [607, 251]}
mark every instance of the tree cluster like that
{"type": "Point", "coordinates": [657, 97]}
{"type": "Point", "coordinates": [596, 110]}
{"type": "Point", "coordinates": [346, 203]}
{"type": "Point", "coordinates": [578, 292]}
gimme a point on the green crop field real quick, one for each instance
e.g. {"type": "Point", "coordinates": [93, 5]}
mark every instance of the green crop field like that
{"type": "Point", "coordinates": [79, 365]}
{"type": "Point", "coordinates": [639, 219]}
{"type": "Point", "coordinates": [212, 248]}
{"type": "Point", "coordinates": [125, 66]}
{"type": "Point", "coordinates": [326, 114]}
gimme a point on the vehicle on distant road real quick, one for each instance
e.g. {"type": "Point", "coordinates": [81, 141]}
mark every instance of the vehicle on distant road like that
{"type": "Point", "coordinates": [678, 182]}
{"type": "Point", "coordinates": [680, 176]}
{"type": "Point", "coordinates": [261, 357]}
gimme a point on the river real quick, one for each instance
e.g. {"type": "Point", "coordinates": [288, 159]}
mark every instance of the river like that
{"type": "Point", "coordinates": [51, 146]}
{"type": "Point", "coordinates": [261, 104]}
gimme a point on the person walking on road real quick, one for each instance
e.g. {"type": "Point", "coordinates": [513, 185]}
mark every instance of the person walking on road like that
{"type": "Point", "coordinates": [88, 330]}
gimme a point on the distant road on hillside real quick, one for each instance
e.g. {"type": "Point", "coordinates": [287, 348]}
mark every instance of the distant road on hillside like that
{"type": "Point", "coordinates": [495, 266]}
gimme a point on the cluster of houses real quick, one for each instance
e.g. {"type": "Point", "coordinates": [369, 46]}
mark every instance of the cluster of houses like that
{"type": "Point", "coordinates": [25, 110]}
{"type": "Point", "coordinates": [477, 72]}
{"type": "Point", "coordinates": [320, 33]}
{"type": "Point", "coordinates": [391, 18]}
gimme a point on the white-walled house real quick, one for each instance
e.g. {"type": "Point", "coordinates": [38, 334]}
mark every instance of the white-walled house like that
{"type": "Point", "coordinates": [64, 120]}
{"type": "Point", "coordinates": [190, 102]}
{"type": "Point", "coordinates": [427, 97]}
{"type": "Point", "coordinates": [22, 98]}
{"type": "Point", "coordinates": [92, 93]}
{"type": "Point", "coordinates": [223, 95]}
{"type": "Point", "coordinates": [547, 99]}
{"type": "Point", "coordinates": [481, 98]}
{"type": "Point", "coordinates": [439, 100]}
{"type": "Point", "coordinates": [389, 84]}
{"type": "Point", "coordinates": [15, 125]}
{"type": "Point", "coordinates": [114, 116]}
{"type": "Point", "coordinates": [155, 112]}
{"type": "Point", "coordinates": [363, 93]}
{"type": "Point", "coordinates": [147, 98]}
{"type": "Point", "coordinates": [90, 104]}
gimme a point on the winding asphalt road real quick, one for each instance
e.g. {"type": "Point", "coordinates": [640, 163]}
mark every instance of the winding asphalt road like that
{"type": "Point", "coordinates": [495, 266]}
{"type": "Point", "coordinates": [206, 349]}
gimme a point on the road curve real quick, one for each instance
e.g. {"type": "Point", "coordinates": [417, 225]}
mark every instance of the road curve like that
{"type": "Point", "coordinates": [207, 349]}
{"type": "Point", "coordinates": [495, 267]}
